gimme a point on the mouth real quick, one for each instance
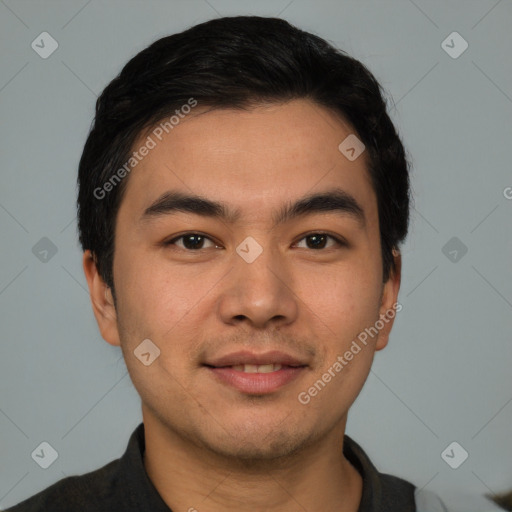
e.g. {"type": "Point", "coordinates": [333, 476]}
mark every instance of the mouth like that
{"type": "Point", "coordinates": [257, 368]}
{"type": "Point", "coordinates": [256, 379]}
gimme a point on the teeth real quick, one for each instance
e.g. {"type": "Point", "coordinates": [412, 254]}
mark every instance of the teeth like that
{"type": "Point", "coordinates": [254, 368]}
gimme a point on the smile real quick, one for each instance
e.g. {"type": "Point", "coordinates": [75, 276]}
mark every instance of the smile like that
{"type": "Point", "coordinates": [256, 379]}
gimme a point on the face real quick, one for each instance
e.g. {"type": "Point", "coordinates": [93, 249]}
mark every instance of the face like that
{"type": "Point", "coordinates": [203, 286]}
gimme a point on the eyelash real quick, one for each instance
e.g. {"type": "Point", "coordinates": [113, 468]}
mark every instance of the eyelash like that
{"type": "Point", "coordinates": [339, 242]}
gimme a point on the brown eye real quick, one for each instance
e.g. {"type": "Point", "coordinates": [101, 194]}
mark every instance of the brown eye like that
{"type": "Point", "coordinates": [191, 241]}
{"type": "Point", "coordinates": [320, 241]}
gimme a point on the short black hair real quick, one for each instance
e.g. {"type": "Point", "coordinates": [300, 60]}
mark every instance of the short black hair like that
{"type": "Point", "coordinates": [235, 62]}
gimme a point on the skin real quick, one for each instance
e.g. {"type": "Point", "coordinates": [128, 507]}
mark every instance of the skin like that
{"type": "Point", "coordinates": [209, 446]}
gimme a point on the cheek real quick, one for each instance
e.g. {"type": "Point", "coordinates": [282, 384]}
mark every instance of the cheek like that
{"type": "Point", "coordinates": [349, 305]}
{"type": "Point", "coordinates": [153, 296]}
{"type": "Point", "coordinates": [345, 299]}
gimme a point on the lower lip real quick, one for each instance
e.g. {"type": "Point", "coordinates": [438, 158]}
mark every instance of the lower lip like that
{"type": "Point", "coordinates": [256, 383]}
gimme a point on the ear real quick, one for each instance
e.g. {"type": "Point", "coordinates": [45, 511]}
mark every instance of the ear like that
{"type": "Point", "coordinates": [102, 301]}
{"type": "Point", "coordinates": [389, 303]}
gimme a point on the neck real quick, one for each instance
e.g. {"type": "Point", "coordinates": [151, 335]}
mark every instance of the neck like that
{"type": "Point", "coordinates": [192, 477]}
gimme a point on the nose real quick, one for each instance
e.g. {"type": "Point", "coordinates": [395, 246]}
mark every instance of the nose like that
{"type": "Point", "coordinates": [259, 293]}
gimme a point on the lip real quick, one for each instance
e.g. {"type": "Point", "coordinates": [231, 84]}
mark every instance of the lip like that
{"type": "Point", "coordinates": [256, 383]}
{"type": "Point", "coordinates": [248, 357]}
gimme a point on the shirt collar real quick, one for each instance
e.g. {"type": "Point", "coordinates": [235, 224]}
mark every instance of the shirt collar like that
{"type": "Point", "coordinates": [372, 489]}
{"type": "Point", "coordinates": [140, 493]}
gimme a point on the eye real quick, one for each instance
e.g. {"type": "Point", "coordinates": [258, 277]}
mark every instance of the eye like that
{"type": "Point", "coordinates": [191, 241]}
{"type": "Point", "coordinates": [198, 241]}
{"type": "Point", "coordinates": [319, 241]}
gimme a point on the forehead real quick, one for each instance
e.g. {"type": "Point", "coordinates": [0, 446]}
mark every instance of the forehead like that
{"type": "Point", "coordinates": [254, 159]}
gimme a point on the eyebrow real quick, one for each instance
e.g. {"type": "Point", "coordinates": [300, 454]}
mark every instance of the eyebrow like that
{"type": "Point", "coordinates": [334, 200]}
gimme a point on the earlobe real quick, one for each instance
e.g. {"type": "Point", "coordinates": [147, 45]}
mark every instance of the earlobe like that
{"type": "Point", "coordinates": [389, 303]}
{"type": "Point", "coordinates": [102, 301]}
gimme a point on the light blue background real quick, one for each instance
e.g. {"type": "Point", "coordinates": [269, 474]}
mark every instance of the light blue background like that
{"type": "Point", "coordinates": [445, 375]}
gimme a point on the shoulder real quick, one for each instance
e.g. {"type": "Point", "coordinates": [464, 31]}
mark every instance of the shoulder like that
{"type": "Point", "coordinates": [395, 488]}
{"type": "Point", "coordinates": [395, 492]}
{"type": "Point", "coordinates": [121, 484]}
{"type": "Point", "coordinates": [385, 492]}
{"type": "Point", "coordinates": [85, 493]}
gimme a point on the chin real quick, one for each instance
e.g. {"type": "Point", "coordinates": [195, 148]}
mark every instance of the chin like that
{"type": "Point", "coordinates": [260, 446]}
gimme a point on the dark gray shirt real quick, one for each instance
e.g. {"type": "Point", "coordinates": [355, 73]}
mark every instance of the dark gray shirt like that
{"type": "Point", "coordinates": [123, 485]}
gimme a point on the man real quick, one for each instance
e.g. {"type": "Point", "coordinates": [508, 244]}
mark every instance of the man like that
{"type": "Point", "coordinates": [242, 198]}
